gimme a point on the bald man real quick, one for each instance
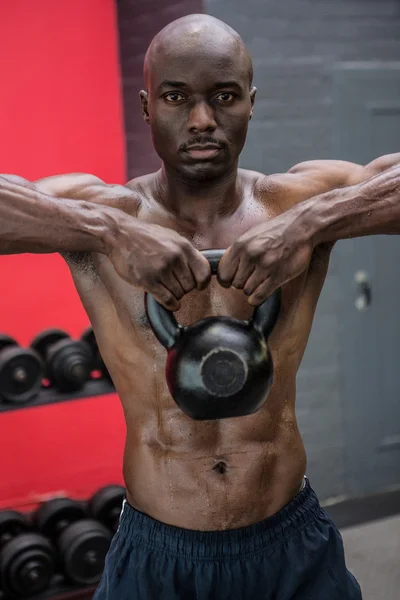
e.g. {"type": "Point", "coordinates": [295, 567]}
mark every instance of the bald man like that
{"type": "Point", "coordinates": [219, 508]}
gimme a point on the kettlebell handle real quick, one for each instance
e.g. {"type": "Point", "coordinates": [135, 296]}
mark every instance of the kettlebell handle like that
{"type": "Point", "coordinates": [213, 257]}
{"type": "Point", "coordinates": [166, 328]}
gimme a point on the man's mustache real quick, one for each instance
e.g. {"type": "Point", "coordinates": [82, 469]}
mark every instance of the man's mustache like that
{"type": "Point", "coordinates": [201, 141]}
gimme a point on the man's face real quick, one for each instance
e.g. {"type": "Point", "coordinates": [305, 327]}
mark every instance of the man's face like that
{"type": "Point", "coordinates": [199, 98]}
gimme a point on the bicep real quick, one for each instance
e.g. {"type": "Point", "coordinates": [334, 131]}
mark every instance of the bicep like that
{"type": "Point", "coordinates": [83, 186]}
{"type": "Point", "coordinates": [71, 186]}
{"type": "Point", "coordinates": [387, 161]}
{"type": "Point", "coordinates": [311, 178]}
{"type": "Point", "coordinates": [74, 186]}
{"type": "Point", "coordinates": [325, 175]}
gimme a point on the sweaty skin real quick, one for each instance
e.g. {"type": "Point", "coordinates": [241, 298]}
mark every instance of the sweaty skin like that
{"type": "Point", "coordinates": [204, 475]}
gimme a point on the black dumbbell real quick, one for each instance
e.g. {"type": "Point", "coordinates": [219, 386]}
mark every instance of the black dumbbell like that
{"type": "Point", "coordinates": [21, 372]}
{"type": "Point", "coordinates": [89, 338]}
{"type": "Point", "coordinates": [27, 561]}
{"type": "Point", "coordinates": [106, 505]}
{"type": "Point", "coordinates": [67, 361]}
{"type": "Point", "coordinates": [82, 543]}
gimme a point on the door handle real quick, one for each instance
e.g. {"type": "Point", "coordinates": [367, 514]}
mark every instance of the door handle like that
{"type": "Point", "coordinates": [364, 293]}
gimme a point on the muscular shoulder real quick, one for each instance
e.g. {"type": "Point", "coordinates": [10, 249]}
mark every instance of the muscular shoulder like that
{"type": "Point", "coordinates": [306, 180]}
{"type": "Point", "coordinates": [314, 177]}
{"type": "Point", "coordinates": [83, 186]}
{"type": "Point", "coordinates": [87, 187]}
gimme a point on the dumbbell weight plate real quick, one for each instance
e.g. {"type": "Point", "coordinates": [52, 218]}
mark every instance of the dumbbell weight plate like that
{"type": "Point", "coordinates": [26, 565]}
{"type": "Point", "coordinates": [21, 374]}
{"type": "Point", "coordinates": [90, 339]}
{"type": "Point", "coordinates": [83, 547]}
{"type": "Point", "coordinates": [12, 523]}
{"type": "Point", "coordinates": [54, 516]}
{"type": "Point", "coordinates": [42, 342]}
{"type": "Point", "coordinates": [69, 364]}
{"type": "Point", "coordinates": [6, 341]}
{"type": "Point", "coordinates": [106, 504]}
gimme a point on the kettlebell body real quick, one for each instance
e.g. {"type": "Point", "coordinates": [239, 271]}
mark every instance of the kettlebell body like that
{"type": "Point", "coordinates": [218, 367]}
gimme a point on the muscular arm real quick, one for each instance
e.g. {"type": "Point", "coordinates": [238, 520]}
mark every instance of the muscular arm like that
{"type": "Point", "coordinates": [81, 214]}
{"type": "Point", "coordinates": [321, 202]}
{"type": "Point", "coordinates": [347, 200]}
{"type": "Point", "coordinates": [66, 213]}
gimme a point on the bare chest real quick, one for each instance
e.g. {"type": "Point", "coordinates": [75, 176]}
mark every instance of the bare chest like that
{"type": "Point", "coordinates": [116, 308]}
{"type": "Point", "coordinates": [215, 300]}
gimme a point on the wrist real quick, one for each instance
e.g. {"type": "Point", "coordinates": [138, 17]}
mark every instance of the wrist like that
{"type": "Point", "coordinates": [110, 228]}
{"type": "Point", "coordinates": [306, 221]}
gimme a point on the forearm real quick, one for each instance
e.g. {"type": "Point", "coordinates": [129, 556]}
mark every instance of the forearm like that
{"type": "Point", "coordinates": [368, 208]}
{"type": "Point", "coordinates": [36, 223]}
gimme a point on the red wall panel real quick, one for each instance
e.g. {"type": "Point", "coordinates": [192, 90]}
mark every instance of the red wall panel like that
{"type": "Point", "coordinates": [60, 111]}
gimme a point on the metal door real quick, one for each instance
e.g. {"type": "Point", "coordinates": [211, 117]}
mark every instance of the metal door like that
{"type": "Point", "coordinates": [367, 106]}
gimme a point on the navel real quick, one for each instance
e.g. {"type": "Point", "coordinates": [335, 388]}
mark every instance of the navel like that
{"type": "Point", "coordinates": [220, 467]}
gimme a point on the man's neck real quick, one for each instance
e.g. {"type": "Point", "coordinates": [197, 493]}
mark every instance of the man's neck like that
{"type": "Point", "coordinates": [198, 202]}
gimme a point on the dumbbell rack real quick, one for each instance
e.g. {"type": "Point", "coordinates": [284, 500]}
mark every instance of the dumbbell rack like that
{"type": "Point", "coordinates": [57, 519]}
{"type": "Point", "coordinates": [96, 387]}
{"type": "Point", "coordinates": [45, 357]}
{"type": "Point", "coordinates": [59, 591]}
{"type": "Point", "coordinates": [49, 393]}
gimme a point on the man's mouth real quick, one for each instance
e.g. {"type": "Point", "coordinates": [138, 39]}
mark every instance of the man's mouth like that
{"type": "Point", "coordinates": [203, 151]}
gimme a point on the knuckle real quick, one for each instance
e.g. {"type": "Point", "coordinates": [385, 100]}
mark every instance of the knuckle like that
{"type": "Point", "coordinates": [254, 253]}
{"type": "Point", "coordinates": [164, 266]}
{"type": "Point", "coordinates": [175, 256]}
{"type": "Point", "coordinates": [237, 247]}
{"type": "Point", "coordinates": [188, 285]}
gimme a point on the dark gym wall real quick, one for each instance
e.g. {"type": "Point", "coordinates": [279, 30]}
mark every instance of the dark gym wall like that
{"type": "Point", "coordinates": [139, 21]}
{"type": "Point", "coordinates": [295, 45]}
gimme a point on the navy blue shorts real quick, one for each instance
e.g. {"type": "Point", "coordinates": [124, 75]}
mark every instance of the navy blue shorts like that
{"type": "Point", "coordinates": [296, 554]}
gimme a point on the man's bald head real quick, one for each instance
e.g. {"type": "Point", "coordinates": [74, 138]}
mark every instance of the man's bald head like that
{"type": "Point", "coordinates": [198, 76]}
{"type": "Point", "coordinates": [201, 34]}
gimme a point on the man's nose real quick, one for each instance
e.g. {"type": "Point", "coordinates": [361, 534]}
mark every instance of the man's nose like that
{"type": "Point", "coordinates": [201, 118]}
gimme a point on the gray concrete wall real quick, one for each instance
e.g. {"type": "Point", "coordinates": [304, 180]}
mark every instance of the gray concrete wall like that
{"type": "Point", "coordinates": [294, 45]}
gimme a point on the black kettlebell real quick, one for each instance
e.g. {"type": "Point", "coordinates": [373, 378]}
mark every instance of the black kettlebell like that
{"type": "Point", "coordinates": [219, 367]}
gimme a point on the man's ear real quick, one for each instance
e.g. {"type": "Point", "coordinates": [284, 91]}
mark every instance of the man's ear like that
{"type": "Point", "coordinates": [253, 92]}
{"type": "Point", "coordinates": [144, 102]}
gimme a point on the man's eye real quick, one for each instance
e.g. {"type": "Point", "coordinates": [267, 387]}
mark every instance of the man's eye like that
{"type": "Point", "coordinates": [225, 97]}
{"type": "Point", "coordinates": [174, 97]}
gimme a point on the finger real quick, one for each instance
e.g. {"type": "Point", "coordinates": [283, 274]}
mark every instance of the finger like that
{"type": "Point", "coordinates": [164, 297]}
{"type": "Point", "coordinates": [171, 283]}
{"type": "Point", "coordinates": [244, 271]}
{"type": "Point", "coordinates": [256, 279]}
{"type": "Point", "coordinates": [227, 268]}
{"type": "Point", "coordinates": [185, 278]}
{"type": "Point", "coordinates": [262, 292]}
{"type": "Point", "coordinates": [201, 270]}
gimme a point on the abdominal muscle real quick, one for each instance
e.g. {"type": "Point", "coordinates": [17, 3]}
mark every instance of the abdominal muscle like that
{"type": "Point", "coordinates": [211, 475]}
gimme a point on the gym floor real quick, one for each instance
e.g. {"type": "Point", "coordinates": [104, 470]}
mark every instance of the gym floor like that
{"type": "Point", "coordinates": [370, 528]}
{"type": "Point", "coordinates": [373, 556]}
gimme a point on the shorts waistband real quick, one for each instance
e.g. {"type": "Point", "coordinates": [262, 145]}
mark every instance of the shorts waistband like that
{"type": "Point", "coordinates": [141, 528]}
